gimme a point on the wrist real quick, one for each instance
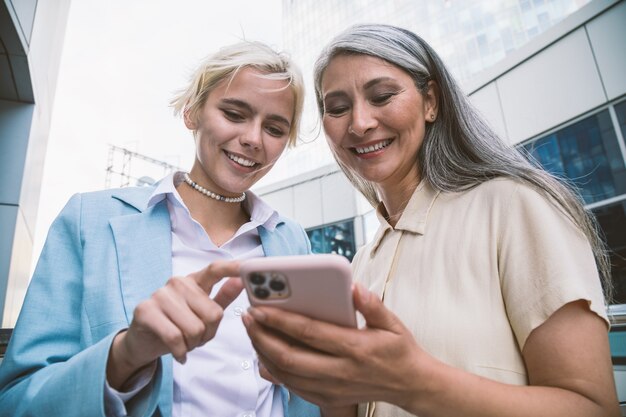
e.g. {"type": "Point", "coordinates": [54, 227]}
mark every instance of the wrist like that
{"type": "Point", "coordinates": [425, 386]}
{"type": "Point", "coordinates": [121, 364]}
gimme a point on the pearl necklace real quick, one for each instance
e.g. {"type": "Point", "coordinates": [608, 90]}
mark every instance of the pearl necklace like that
{"type": "Point", "coordinates": [211, 194]}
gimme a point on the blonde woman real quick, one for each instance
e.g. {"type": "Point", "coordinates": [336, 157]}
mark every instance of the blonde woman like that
{"type": "Point", "coordinates": [131, 278]}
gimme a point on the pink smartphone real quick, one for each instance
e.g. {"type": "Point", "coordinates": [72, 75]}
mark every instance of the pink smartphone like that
{"type": "Point", "coordinates": [317, 286]}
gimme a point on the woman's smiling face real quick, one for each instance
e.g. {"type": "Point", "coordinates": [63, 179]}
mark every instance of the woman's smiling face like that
{"type": "Point", "coordinates": [374, 118]}
{"type": "Point", "coordinates": [241, 131]}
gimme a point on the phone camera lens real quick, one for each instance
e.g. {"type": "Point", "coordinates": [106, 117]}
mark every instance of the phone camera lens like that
{"type": "Point", "coordinates": [261, 292]}
{"type": "Point", "coordinates": [257, 279]}
{"type": "Point", "coordinates": [277, 285]}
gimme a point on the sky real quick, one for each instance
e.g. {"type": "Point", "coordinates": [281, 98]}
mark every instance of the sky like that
{"type": "Point", "coordinates": [122, 61]}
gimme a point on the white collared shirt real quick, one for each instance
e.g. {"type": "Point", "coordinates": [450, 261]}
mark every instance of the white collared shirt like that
{"type": "Point", "coordinates": [222, 377]}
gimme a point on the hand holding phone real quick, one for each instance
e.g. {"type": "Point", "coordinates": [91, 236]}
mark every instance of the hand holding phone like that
{"type": "Point", "coordinates": [317, 286]}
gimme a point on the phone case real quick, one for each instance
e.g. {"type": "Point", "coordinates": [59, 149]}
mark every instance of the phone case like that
{"type": "Point", "coordinates": [317, 286]}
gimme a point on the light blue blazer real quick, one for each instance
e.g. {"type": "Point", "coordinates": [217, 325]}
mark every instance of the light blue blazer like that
{"type": "Point", "coordinates": [105, 253]}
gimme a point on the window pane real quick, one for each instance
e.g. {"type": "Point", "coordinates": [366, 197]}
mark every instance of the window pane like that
{"type": "Point", "coordinates": [620, 109]}
{"type": "Point", "coordinates": [612, 219]}
{"type": "Point", "coordinates": [316, 236]}
{"type": "Point", "coordinates": [587, 153]}
{"type": "Point", "coordinates": [336, 238]}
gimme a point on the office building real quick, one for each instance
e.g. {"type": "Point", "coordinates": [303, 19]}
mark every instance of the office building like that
{"type": "Point", "coordinates": [469, 35]}
{"type": "Point", "coordinates": [31, 39]}
{"type": "Point", "coordinates": [561, 96]}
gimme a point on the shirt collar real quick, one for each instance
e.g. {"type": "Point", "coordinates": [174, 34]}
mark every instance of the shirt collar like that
{"type": "Point", "coordinates": [414, 216]}
{"type": "Point", "coordinates": [260, 212]}
{"type": "Point", "coordinates": [164, 187]}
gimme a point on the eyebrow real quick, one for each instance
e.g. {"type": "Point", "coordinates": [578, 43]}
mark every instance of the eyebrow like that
{"type": "Point", "coordinates": [366, 86]}
{"type": "Point", "coordinates": [244, 105]}
{"type": "Point", "coordinates": [375, 81]}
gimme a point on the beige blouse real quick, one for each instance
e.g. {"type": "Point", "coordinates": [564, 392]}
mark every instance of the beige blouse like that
{"type": "Point", "coordinates": [471, 274]}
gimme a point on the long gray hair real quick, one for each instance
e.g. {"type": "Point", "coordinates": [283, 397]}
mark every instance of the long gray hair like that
{"type": "Point", "coordinates": [460, 150]}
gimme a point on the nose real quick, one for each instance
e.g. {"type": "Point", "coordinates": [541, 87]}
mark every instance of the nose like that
{"type": "Point", "coordinates": [362, 121]}
{"type": "Point", "coordinates": [252, 138]}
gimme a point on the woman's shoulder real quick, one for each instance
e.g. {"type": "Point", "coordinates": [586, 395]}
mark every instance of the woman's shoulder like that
{"type": "Point", "coordinates": [288, 222]}
{"type": "Point", "coordinates": [129, 195]}
{"type": "Point", "coordinates": [520, 201]}
{"type": "Point", "coordinates": [504, 191]}
{"type": "Point", "coordinates": [508, 199]}
{"type": "Point", "coordinates": [135, 196]}
{"type": "Point", "coordinates": [499, 187]}
{"type": "Point", "coordinates": [107, 203]}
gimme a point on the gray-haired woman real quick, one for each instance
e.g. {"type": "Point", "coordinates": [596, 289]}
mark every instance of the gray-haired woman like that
{"type": "Point", "coordinates": [480, 293]}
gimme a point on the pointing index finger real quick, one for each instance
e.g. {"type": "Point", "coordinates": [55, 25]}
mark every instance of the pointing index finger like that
{"type": "Point", "coordinates": [207, 277]}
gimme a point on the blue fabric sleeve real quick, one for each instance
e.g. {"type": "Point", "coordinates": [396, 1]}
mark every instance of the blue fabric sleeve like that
{"type": "Point", "coordinates": [52, 366]}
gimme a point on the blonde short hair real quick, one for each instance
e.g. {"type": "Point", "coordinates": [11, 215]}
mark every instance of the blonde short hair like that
{"type": "Point", "coordinates": [225, 64]}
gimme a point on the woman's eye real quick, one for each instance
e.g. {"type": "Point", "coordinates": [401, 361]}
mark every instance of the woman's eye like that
{"type": "Point", "coordinates": [275, 131]}
{"type": "Point", "coordinates": [233, 116]}
{"type": "Point", "coordinates": [336, 110]}
{"type": "Point", "coordinates": [381, 98]}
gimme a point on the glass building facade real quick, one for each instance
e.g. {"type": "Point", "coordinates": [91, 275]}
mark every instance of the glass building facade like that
{"type": "Point", "coordinates": [472, 36]}
{"type": "Point", "coordinates": [590, 153]}
{"type": "Point", "coordinates": [337, 238]}
{"type": "Point", "coordinates": [469, 35]}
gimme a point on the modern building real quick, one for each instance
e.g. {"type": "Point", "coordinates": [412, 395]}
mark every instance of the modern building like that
{"type": "Point", "coordinates": [469, 35]}
{"type": "Point", "coordinates": [474, 38]}
{"type": "Point", "coordinates": [561, 96]}
{"type": "Point", "coordinates": [31, 39]}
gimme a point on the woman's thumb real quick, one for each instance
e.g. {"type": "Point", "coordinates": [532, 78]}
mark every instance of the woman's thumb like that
{"type": "Point", "coordinates": [376, 315]}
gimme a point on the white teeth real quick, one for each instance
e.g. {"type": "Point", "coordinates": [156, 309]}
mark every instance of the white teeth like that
{"type": "Point", "coordinates": [241, 161]}
{"type": "Point", "coordinates": [373, 148]}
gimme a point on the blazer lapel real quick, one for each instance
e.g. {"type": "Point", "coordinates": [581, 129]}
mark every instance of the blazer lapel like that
{"type": "Point", "coordinates": [143, 243]}
{"type": "Point", "coordinates": [271, 242]}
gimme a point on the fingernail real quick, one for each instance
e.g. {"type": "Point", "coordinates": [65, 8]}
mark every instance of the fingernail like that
{"type": "Point", "coordinates": [257, 314]}
{"type": "Point", "coordinates": [245, 317]}
{"type": "Point", "coordinates": [364, 294]}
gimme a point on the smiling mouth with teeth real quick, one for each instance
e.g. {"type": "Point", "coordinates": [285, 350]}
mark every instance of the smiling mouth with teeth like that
{"type": "Point", "coordinates": [373, 148]}
{"type": "Point", "coordinates": [241, 161]}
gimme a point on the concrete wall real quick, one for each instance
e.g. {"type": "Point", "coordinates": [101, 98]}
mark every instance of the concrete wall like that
{"type": "Point", "coordinates": [578, 71]}
{"type": "Point", "coordinates": [320, 197]}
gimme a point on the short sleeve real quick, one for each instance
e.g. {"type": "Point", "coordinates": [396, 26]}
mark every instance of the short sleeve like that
{"type": "Point", "coordinates": [544, 262]}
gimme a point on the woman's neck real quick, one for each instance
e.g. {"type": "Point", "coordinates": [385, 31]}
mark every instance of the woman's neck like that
{"type": "Point", "coordinates": [396, 196]}
{"type": "Point", "coordinates": [220, 219]}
